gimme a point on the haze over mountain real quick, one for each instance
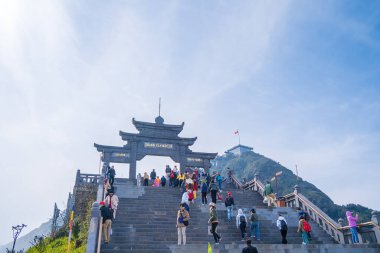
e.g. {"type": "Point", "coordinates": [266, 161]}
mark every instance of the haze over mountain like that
{"type": "Point", "coordinates": [23, 242]}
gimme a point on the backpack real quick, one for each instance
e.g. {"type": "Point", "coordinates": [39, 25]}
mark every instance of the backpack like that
{"type": "Point", "coordinates": [242, 219]}
{"type": "Point", "coordinates": [254, 217]}
{"type": "Point", "coordinates": [283, 225]}
{"type": "Point", "coordinates": [306, 226]}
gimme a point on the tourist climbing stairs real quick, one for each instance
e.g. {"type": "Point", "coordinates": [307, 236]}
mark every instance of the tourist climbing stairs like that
{"type": "Point", "coordinates": [146, 222]}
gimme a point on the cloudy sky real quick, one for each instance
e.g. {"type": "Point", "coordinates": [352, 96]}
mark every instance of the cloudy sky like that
{"type": "Point", "coordinates": [299, 79]}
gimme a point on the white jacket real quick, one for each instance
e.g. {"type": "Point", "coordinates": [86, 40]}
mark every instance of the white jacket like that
{"type": "Point", "coordinates": [279, 222]}
{"type": "Point", "coordinates": [240, 213]}
{"type": "Point", "coordinates": [114, 201]}
{"type": "Point", "coordinates": [185, 198]}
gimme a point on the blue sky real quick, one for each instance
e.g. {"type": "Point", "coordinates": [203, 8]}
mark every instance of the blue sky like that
{"type": "Point", "coordinates": [299, 79]}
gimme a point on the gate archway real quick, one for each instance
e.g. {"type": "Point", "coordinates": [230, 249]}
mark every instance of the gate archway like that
{"type": "Point", "coordinates": [157, 139]}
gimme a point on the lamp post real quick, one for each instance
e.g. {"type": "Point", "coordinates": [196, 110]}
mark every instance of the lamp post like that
{"type": "Point", "coordinates": [16, 232]}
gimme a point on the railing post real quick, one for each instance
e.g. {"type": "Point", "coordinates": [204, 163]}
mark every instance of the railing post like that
{"type": "Point", "coordinates": [296, 191]}
{"type": "Point", "coordinates": [93, 229]}
{"type": "Point", "coordinates": [376, 219]}
{"type": "Point", "coordinates": [255, 180]}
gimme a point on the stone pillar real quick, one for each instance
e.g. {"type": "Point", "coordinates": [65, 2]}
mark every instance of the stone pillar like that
{"type": "Point", "coordinates": [182, 158]}
{"type": "Point", "coordinates": [296, 191]}
{"type": "Point", "coordinates": [77, 178]}
{"type": "Point", "coordinates": [132, 164]}
{"type": "Point", "coordinates": [341, 222]}
{"type": "Point", "coordinates": [104, 167]}
{"type": "Point", "coordinates": [256, 178]}
{"type": "Point", "coordinates": [376, 217]}
{"type": "Point", "coordinates": [93, 230]}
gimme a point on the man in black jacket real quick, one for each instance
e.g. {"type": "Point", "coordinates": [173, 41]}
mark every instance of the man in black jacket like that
{"type": "Point", "coordinates": [106, 214]}
{"type": "Point", "coordinates": [111, 175]}
{"type": "Point", "coordinates": [153, 175]}
{"type": "Point", "coordinates": [249, 248]}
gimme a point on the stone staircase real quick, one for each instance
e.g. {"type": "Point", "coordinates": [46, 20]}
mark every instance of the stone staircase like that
{"type": "Point", "coordinates": [146, 220]}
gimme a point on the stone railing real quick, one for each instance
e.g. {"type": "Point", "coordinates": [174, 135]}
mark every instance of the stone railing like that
{"type": "Point", "coordinates": [369, 232]}
{"type": "Point", "coordinates": [94, 231]}
{"type": "Point", "coordinates": [86, 178]}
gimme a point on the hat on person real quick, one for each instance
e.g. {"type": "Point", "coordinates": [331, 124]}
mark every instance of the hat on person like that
{"type": "Point", "coordinates": [102, 203]}
{"type": "Point", "coordinates": [211, 204]}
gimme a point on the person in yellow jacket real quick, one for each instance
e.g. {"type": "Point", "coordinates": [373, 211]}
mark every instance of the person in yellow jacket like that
{"type": "Point", "coordinates": [181, 178]}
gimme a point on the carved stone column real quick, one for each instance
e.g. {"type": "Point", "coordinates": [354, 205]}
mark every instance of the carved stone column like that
{"type": "Point", "coordinates": [256, 178]}
{"type": "Point", "coordinates": [296, 191]}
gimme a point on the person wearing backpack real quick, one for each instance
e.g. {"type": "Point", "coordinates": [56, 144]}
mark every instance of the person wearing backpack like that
{"type": "Point", "coordinates": [112, 201]}
{"type": "Point", "coordinates": [213, 190]}
{"type": "Point", "coordinates": [106, 214]}
{"type": "Point", "coordinates": [282, 225]}
{"type": "Point", "coordinates": [304, 227]}
{"type": "Point", "coordinates": [229, 203]}
{"type": "Point", "coordinates": [214, 223]}
{"type": "Point", "coordinates": [183, 218]}
{"type": "Point", "coordinates": [255, 226]}
{"type": "Point", "coordinates": [219, 179]}
{"type": "Point", "coordinates": [204, 193]}
{"type": "Point", "coordinates": [241, 222]}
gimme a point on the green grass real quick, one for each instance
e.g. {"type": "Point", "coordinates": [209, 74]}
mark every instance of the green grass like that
{"type": "Point", "coordinates": [58, 245]}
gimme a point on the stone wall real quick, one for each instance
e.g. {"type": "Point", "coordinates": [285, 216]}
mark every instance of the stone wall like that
{"type": "Point", "coordinates": [83, 195]}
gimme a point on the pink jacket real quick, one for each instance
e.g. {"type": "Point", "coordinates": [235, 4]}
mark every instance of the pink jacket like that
{"type": "Point", "coordinates": [351, 220]}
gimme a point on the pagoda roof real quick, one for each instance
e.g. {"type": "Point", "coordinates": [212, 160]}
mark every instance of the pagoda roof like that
{"type": "Point", "coordinates": [130, 136]}
{"type": "Point", "coordinates": [102, 148]}
{"type": "Point", "coordinates": [141, 125]}
{"type": "Point", "coordinates": [202, 155]}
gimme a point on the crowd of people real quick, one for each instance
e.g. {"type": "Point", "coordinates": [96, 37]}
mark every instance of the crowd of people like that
{"type": "Point", "coordinates": [190, 182]}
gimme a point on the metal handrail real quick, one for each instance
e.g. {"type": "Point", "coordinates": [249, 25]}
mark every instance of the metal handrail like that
{"type": "Point", "coordinates": [100, 234]}
{"type": "Point", "coordinates": [364, 224]}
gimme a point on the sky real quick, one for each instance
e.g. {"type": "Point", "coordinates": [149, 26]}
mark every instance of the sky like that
{"type": "Point", "coordinates": [300, 80]}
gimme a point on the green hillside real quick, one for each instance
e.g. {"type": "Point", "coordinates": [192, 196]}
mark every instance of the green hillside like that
{"type": "Point", "coordinates": [251, 163]}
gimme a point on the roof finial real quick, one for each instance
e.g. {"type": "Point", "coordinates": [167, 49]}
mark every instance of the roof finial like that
{"type": "Point", "coordinates": [159, 119]}
{"type": "Point", "coordinates": [159, 106]}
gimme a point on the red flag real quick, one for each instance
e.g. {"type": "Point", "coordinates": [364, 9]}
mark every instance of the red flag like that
{"type": "Point", "coordinates": [237, 132]}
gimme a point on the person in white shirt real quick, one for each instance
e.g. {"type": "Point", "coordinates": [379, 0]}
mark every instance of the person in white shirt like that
{"type": "Point", "coordinates": [282, 225]}
{"type": "Point", "coordinates": [112, 201]}
{"type": "Point", "coordinates": [241, 222]}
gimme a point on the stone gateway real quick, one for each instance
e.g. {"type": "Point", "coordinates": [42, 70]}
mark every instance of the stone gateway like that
{"type": "Point", "coordinates": [157, 139]}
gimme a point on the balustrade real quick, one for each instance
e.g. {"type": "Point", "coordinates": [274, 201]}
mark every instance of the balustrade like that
{"type": "Point", "coordinates": [369, 232]}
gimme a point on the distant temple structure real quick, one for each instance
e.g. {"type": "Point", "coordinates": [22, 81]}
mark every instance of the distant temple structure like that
{"type": "Point", "coordinates": [239, 149]}
{"type": "Point", "coordinates": [156, 139]}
